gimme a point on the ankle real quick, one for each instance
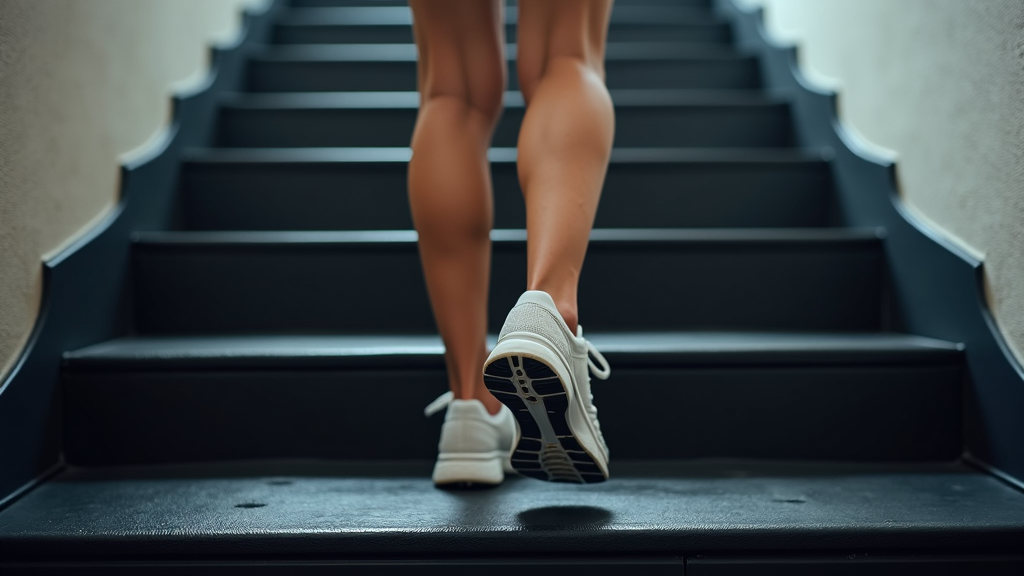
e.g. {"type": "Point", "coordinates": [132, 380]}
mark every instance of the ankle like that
{"type": "Point", "coordinates": [480, 393]}
{"type": "Point", "coordinates": [570, 315]}
{"type": "Point", "coordinates": [491, 404]}
{"type": "Point", "coordinates": [566, 304]}
{"type": "Point", "coordinates": [567, 308]}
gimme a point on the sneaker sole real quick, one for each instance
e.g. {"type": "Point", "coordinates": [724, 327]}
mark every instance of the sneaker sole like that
{"type": "Point", "coordinates": [526, 378]}
{"type": "Point", "coordinates": [469, 470]}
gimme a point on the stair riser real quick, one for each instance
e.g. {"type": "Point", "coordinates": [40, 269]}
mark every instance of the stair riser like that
{"type": "Point", "coordinates": [373, 196]}
{"type": "Point", "coordinates": [655, 126]}
{"type": "Point", "coordinates": [787, 413]}
{"type": "Point", "coordinates": [659, 13]}
{"type": "Point", "coordinates": [718, 34]}
{"type": "Point", "coordinates": [342, 76]}
{"type": "Point", "coordinates": [379, 289]}
{"type": "Point", "coordinates": [384, 564]}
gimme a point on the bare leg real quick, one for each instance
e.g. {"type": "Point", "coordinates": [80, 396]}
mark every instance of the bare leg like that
{"type": "Point", "coordinates": [566, 138]}
{"type": "Point", "coordinates": [461, 82]}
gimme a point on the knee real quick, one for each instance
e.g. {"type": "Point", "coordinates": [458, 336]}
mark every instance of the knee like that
{"type": "Point", "coordinates": [480, 96]}
{"type": "Point", "coordinates": [488, 101]}
{"type": "Point", "coordinates": [561, 68]}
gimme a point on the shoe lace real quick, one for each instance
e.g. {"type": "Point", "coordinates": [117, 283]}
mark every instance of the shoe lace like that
{"type": "Point", "coordinates": [602, 371]}
{"type": "Point", "coordinates": [440, 403]}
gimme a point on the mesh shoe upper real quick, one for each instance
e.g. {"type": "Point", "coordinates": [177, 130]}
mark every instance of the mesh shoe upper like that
{"type": "Point", "coordinates": [469, 428]}
{"type": "Point", "coordinates": [536, 313]}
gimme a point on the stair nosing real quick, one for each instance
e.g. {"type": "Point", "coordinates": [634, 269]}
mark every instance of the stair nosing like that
{"type": "Point", "coordinates": [275, 56]}
{"type": "Point", "coordinates": [628, 349]}
{"type": "Point", "coordinates": [600, 237]}
{"type": "Point", "coordinates": [408, 100]}
{"type": "Point", "coordinates": [744, 510]}
{"type": "Point", "coordinates": [385, 16]}
{"type": "Point", "coordinates": [499, 155]}
{"type": "Point", "coordinates": [290, 21]}
{"type": "Point", "coordinates": [406, 52]}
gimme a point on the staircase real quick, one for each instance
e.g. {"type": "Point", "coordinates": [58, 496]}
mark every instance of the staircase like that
{"type": "Point", "coordinates": [266, 413]}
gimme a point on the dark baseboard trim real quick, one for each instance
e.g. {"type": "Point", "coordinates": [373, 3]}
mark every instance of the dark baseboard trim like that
{"type": "Point", "coordinates": [1010, 481]}
{"type": "Point", "coordinates": [28, 486]}
{"type": "Point", "coordinates": [936, 287]}
{"type": "Point", "coordinates": [87, 289]}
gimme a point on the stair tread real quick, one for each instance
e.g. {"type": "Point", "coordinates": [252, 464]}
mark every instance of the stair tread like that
{"type": "Point", "coordinates": [691, 506]}
{"type": "Point", "coordinates": [402, 15]}
{"type": "Point", "coordinates": [513, 99]}
{"type": "Point", "coordinates": [617, 52]}
{"type": "Point", "coordinates": [643, 349]}
{"type": "Point", "coordinates": [706, 32]}
{"type": "Point", "coordinates": [709, 34]}
{"type": "Point", "coordinates": [401, 155]}
{"type": "Point", "coordinates": [648, 118]}
{"type": "Point", "coordinates": [406, 52]}
{"type": "Point", "coordinates": [599, 236]}
{"type": "Point", "coordinates": [288, 70]}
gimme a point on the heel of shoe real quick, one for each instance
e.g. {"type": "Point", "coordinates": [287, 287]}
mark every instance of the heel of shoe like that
{"type": "Point", "coordinates": [467, 470]}
{"type": "Point", "coordinates": [534, 383]}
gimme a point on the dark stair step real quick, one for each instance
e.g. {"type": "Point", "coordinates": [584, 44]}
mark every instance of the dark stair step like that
{"type": "Point", "coordinates": [338, 189]}
{"type": "Point", "coordinates": [622, 13]}
{"type": "Point", "coordinates": [393, 68]}
{"type": "Point", "coordinates": [406, 52]}
{"type": "Point", "coordinates": [669, 118]}
{"type": "Point", "coordinates": [651, 518]}
{"type": "Point", "coordinates": [671, 395]}
{"type": "Point", "coordinates": [313, 32]}
{"type": "Point", "coordinates": [371, 281]}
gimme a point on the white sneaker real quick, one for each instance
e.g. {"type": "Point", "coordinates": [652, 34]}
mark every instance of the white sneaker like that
{"type": "Point", "coordinates": [542, 373]}
{"type": "Point", "coordinates": [475, 445]}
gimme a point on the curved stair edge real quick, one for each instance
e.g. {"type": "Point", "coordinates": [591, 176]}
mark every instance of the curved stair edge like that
{"type": "Point", "coordinates": [919, 256]}
{"type": "Point", "coordinates": [86, 287]}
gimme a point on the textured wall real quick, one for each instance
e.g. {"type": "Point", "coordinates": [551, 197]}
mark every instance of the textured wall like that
{"type": "Point", "coordinates": [939, 85]}
{"type": "Point", "coordinates": [83, 86]}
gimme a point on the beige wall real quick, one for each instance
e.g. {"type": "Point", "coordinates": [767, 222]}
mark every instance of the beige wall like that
{"type": "Point", "coordinates": [83, 86]}
{"type": "Point", "coordinates": [937, 85]}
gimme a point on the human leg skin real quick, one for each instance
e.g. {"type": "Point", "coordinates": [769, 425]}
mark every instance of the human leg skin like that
{"type": "Point", "coordinates": [565, 140]}
{"type": "Point", "coordinates": [461, 79]}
